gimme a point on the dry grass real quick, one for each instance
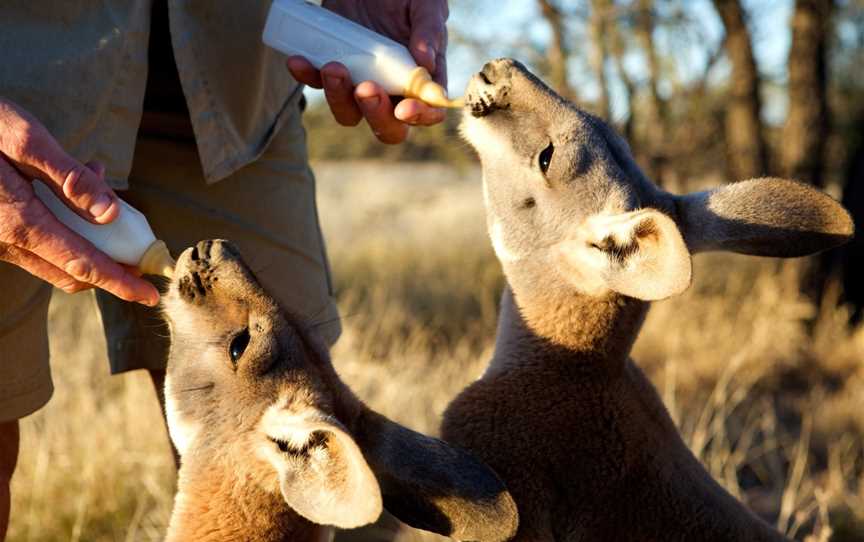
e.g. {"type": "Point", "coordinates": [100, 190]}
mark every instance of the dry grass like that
{"type": "Point", "coordinates": [773, 407]}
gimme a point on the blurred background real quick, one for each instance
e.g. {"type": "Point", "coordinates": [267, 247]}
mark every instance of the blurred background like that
{"type": "Point", "coordinates": [760, 363]}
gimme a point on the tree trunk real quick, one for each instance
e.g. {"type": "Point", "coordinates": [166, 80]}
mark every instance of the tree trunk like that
{"type": "Point", "coordinates": [600, 12]}
{"type": "Point", "coordinates": [807, 123]}
{"type": "Point", "coordinates": [557, 51]}
{"type": "Point", "coordinates": [746, 151]}
{"type": "Point", "coordinates": [850, 255]}
{"type": "Point", "coordinates": [845, 264]}
{"type": "Point", "coordinates": [657, 112]}
{"type": "Point", "coordinates": [618, 48]}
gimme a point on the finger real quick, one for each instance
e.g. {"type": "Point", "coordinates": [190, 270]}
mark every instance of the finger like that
{"type": "Point", "coordinates": [428, 32]}
{"type": "Point", "coordinates": [339, 91]}
{"type": "Point", "coordinates": [40, 268]}
{"type": "Point", "coordinates": [36, 154]}
{"type": "Point", "coordinates": [440, 73]}
{"type": "Point", "coordinates": [131, 269]}
{"type": "Point", "coordinates": [378, 110]}
{"type": "Point", "coordinates": [50, 240]}
{"type": "Point", "coordinates": [96, 167]}
{"type": "Point", "coordinates": [417, 113]}
{"type": "Point", "coordinates": [303, 71]}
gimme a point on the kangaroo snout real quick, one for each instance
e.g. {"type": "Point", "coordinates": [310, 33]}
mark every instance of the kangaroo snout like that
{"type": "Point", "coordinates": [200, 268]}
{"type": "Point", "coordinates": [206, 254]}
{"type": "Point", "coordinates": [504, 84]}
{"type": "Point", "coordinates": [489, 89]}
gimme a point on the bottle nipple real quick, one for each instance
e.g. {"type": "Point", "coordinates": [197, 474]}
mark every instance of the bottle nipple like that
{"type": "Point", "coordinates": [421, 86]}
{"type": "Point", "coordinates": [157, 260]}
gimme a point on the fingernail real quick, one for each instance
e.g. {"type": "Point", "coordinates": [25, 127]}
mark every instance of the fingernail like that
{"type": "Point", "coordinates": [333, 81]}
{"type": "Point", "coordinates": [371, 102]}
{"type": "Point", "coordinates": [101, 205]}
{"type": "Point", "coordinates": [413, 119]}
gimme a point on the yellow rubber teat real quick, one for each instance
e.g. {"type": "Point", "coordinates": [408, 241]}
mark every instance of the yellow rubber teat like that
{"type": "Point", "coordinates": [421, 86]}
{"type": "Point", "coordinates": [157, 260]}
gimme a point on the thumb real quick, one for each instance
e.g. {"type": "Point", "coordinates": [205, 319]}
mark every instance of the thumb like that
{"type": "Point", "coordinates": [81, 187]}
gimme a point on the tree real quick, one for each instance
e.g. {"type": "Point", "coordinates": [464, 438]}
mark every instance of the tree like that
{"type": "Point", "coordinates": [746, 150]}
{"type": "Point", "coordinates": [807, 124]}
{"type": "Point", "coordinates": [601, 12]}
{"type": "Point", "coordinates": [618, 48]}
{"type": "Point", "coordinates": [556, 52]}
{"type": "Point", "coordinates": [850, 262]}
{"type": "Point", "coordinates": [657, 113]}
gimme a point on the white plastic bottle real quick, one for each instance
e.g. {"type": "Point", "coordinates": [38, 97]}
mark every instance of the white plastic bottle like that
{"type": "Point", "coordinates": [128, 239]}
{"type": "Point", "coordinates": [298, 27]}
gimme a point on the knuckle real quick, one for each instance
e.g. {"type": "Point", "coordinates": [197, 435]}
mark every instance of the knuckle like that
{"type": "Point", "coordinates": [333, 68]}
{"type": "Point", "coordinates": [70, 286]}
{"type": "Point", "coordinates": [25, 218]}
{"type": "Point", "coordinates": [82, 270]}
{"type": "Point", "coordinates": [16, 226]}
{"type": "Point", "coordinates": [14, 195]}
{"type": "Point", "coordinates": [73, 182]}
{"type": "Point", "coordinates": [17, 234]}
{"type": "Point", "coordinates": [25, 141]}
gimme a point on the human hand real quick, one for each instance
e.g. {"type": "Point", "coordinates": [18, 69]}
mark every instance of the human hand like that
{"type": "Point", "coordinates": [31, 237]}
{"type": "Point", "coordinates": [419, 24]}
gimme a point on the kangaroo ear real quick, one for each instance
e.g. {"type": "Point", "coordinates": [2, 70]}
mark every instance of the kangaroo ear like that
{"type": "Point", "coordinates": [322, 473]}
{"type": "Point", "coordinates": [640, 254]}
{"type": "Point", "coordinates": [431, 485]}
{"type": "Point", "coordinates": [764, 217]}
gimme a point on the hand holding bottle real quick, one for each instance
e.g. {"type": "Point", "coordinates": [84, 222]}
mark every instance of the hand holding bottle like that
{"type": "Point", "coordinates": [31, 237]}
{"type": "Point", "coordinates": [419, 24]}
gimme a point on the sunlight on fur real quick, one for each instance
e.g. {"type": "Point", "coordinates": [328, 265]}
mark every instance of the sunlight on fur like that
{"type": "Point", "coordinates": [774, 415]}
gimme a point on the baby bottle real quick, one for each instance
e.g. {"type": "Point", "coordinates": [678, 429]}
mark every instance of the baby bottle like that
{"type": "Point", "coordinates": [298, 27]}
{"type": "Point", "coordinates": [127, 240]}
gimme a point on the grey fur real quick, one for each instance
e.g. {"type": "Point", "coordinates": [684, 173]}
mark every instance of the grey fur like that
{"type": "Point", "coordinates": [564, 416]}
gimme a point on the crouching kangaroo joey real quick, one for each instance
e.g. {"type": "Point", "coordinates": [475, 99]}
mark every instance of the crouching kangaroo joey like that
{"type": "Point", "coordinates": [274, 446]}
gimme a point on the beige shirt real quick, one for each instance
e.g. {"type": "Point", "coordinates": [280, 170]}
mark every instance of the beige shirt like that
{"type": "Point", "coordinates": [80, 67]}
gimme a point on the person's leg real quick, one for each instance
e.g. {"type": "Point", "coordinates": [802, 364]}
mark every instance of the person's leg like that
{"type": "Point", "coordinates": [25, 377]}
{"type": "Point", "coordinates": [267, 209]}
{"type": "Point", "coordinates": [8, 459]}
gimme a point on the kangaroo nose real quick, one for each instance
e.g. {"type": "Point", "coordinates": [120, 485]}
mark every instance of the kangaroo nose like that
{"type": "Point", "coordinates": [214, 251]}
{"type": "Point", "coordinates": [489, 89]}
{"type": "Point", "coordinates": [498, 70]}
{"type": "Point", "coordinates": [205, 256]}
{"type": "Point", "coordinates": [223, 250]}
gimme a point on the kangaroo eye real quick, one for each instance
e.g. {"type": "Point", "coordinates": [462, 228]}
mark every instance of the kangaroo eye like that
{"type": "Point", "coordinates": [238, 345]}
{"type": "Point", "coordinates": [546, 157]}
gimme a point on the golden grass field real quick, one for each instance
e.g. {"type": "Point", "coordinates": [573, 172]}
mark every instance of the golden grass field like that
{"type": "Point", "coordinates": [772, 402]}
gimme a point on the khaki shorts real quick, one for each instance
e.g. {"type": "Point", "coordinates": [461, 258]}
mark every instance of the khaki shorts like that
{"type": "Point", "coordinates": [267, 209]}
